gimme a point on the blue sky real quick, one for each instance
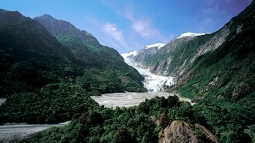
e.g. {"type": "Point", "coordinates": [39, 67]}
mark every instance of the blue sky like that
{"type": "Point", "coordinates": [128, 25]}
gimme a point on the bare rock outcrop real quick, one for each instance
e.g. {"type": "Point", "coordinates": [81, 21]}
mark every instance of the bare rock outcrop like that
{"type": "Point", "coordinates": [177, 132]}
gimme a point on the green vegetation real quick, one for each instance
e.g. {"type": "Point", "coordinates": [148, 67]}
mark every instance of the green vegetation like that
{"type": "Point", "coordinates": [33, 63]}
{"type": "Point", "coordinates": [107, 71]}
{"type": "Point", "coordinates": [119, 125]}
{"type": "Point", "coordinates": [180, 51]}
{"type": "Point", "coordinates": [144, 122]}
{"type": "Point", "coordinates": [228, 72]}
{"type": "Point", "coordinates": [224, 78]}
{"type": "Point", "coordinates": [52, 103]}
{"type": "Point", "coordinates": [221, 81]}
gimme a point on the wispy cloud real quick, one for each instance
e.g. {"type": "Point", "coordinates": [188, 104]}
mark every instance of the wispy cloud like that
{"type": "Point", "coordinates": [144, 29]}
{"type": "Point", "coordinates": [135, 31]}
{"type": "Point", "coordinates": [142, 26]}
{"type": "Point", "coordinates": [114, 32]}
{"type": "Point", "coordinates": [108, 33]}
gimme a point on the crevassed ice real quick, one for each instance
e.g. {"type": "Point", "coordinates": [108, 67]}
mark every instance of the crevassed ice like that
{"type": "Point", "coordinates": [152, 82]}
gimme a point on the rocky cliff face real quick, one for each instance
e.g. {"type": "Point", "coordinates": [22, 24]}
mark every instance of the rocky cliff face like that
{"type": "Point", "coordinates": [181, 132]}
{"type": "Point", "coordinates": [226, 52]}
{"type": "Point", "coordinates": [145, 53]}
{"type": "Point", "coordinates": [178, 131]}
{"type": "Point", "coordinates": [228, 68]}
{"type": "Point", "coordinates": [179, 53]}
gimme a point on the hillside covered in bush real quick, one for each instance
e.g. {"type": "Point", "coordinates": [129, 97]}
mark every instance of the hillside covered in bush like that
{"type": "Point", "coordinates": [33, 62]}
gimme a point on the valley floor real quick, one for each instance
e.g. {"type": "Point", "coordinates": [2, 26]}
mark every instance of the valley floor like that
{"type": "Point", "coordinates": [128, 99]}
{"type": "Point", "coordinates": [14, 131]}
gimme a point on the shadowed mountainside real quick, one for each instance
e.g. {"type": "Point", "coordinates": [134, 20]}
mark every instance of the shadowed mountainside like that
{"type": "Point", "coordinates": [45, 80]}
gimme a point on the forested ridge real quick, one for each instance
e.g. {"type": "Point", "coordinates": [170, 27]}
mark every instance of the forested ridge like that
{"type": "Point", "coordinates": [224, 78]}
{"type": "Point", "coordinates": [110, 72]}
{"type": "Point", "coordinates": [36, 69]}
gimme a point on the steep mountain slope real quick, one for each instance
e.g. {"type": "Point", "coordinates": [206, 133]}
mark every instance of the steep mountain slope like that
{"type": "Point", "coordinates": [227, 72]}
{"type": "Point", "coordinates": [85, 47]}
{"type": "Point", "coordinates": [45, 81]}
{"type": "Point", "coordinates": [217, 71]}
{"type": "Point", "coordinates": [179, 53]}
{"type": "Point", "coordinates": [143, 54]}
{"type": "Point", "coordinates": [82, 44]}
{"type": "Point", "coordinates": [30, 56]}
{"type": "Point", "coordinates": [224, 79]}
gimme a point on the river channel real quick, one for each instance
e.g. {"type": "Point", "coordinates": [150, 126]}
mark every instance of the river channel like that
{"type": "Point", "coordinates": [11, 132]}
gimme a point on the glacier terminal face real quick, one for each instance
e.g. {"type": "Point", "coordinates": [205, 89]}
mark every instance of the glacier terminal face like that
{"type": "Point", "coordinates": [152, 82]}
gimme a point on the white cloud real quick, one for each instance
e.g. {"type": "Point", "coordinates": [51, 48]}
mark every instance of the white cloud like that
{"type": "Point", "coordinates": [111, 30]}
{"type": "Point", "coordinates": [137, 31]}
{"type": "Point", "coordinates": [144, 29]}
{"type": "Point", "coordinates": [142, 26]}
{"type": "Point", "coordinates": [107, 33]}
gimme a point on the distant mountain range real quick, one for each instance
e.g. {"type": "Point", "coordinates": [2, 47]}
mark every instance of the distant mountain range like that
{"type": "Point", "coordinates": [158, 57]}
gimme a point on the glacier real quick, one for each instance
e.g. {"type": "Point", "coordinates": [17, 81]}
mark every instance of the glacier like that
{"type": "Point", "coordinates": [152, 82]}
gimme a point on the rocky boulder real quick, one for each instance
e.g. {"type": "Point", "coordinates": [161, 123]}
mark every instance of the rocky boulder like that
{"type": "Point", "coordinates": [177, 132]}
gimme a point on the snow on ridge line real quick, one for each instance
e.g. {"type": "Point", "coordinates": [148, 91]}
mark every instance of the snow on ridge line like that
{"type": "Point", "coordinates": [159, 45]}
{"type": "Point", "coordinates": [125, 55]}
{"type": "Point", "coordinates": [190, 34]}
{"type": "Point", "coordinates": [134, 53]}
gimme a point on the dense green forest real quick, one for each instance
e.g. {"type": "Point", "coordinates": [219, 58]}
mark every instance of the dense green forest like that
{"type": "Point", "coordinates": [107, 64]}
{"type": "Point", "coordinates": [32, 62]}
{"type": "Point", "coordinates": [144, 122]}
{"type": "Point", "coordinates": [225, 77]}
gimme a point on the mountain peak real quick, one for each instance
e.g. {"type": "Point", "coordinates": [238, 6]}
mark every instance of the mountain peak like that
{"type": "Point", "coordinates": [190, 34]}
{"type": "Point", "coordinates": [11, 15]}
{"type": "Point", "coordinates": [46, 16]}
{"type": "Point", "coordinates": [159, 45]}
